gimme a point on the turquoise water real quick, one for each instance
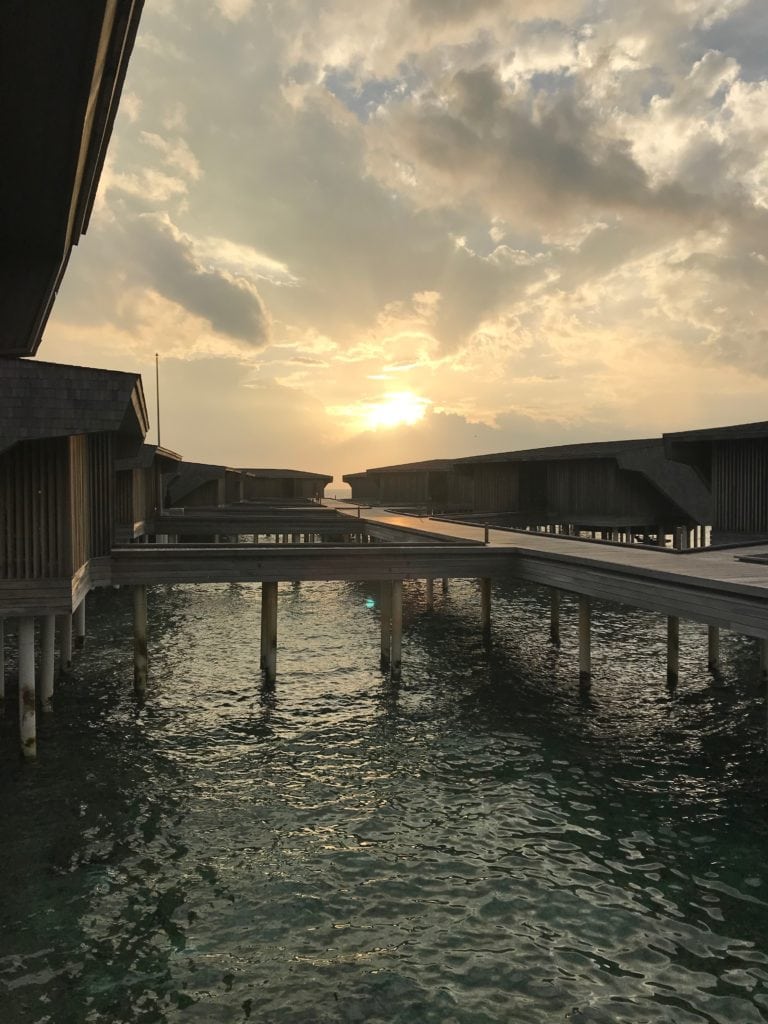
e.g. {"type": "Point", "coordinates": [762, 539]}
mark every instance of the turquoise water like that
{"type": "Point", "coordinates": [485, 842]}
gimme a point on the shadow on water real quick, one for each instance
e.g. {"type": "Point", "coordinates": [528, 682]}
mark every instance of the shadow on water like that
{"type": "Point", "coordinates": [484, 841]}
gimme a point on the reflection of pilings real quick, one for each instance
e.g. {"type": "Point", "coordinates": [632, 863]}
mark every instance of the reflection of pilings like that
{"type": "Point", "coordinates": [140, 640]}
{"type": "Point", "coordinates": [385, 609]}
{"type": "Point", "coordinates": [554, 615]}
{"type": "Point", "coordinates": [397, 629]}
{"type": "Point", "coordinates": [65, 642]}
{"type": "Point", "coordinates": [78, 624]}
{"type": "Point", "coordinates": [47, 655]}
{"type": "Point", "coordinates": [585, 646]}
{"type": "Point", "coordinates": [673, 649]}
{"type": "Point", "coordinates": [485, 603]}
{"type": "Point", "coordinates": [27, 716]}
{"type": "Point", "coordinates": [713, 648]}
{"type": "Point", "coordinates": [269, 606]}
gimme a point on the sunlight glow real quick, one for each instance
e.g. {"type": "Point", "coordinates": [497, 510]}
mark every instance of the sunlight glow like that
{"type": "Point", "coordinates": [394, 409]}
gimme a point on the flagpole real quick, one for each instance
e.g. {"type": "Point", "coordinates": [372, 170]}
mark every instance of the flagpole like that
{"type": "Point", "coordinates": [157, 393]}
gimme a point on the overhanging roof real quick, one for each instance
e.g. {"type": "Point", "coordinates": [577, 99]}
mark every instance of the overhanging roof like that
{"type": "Point", "coordinates": [62, 67]}
{"type": "Point", "coordinates": [148, 454]}
{"type": "Point", "coordinates": [736, 432]}
{"type": "Point", "coordinates": [42, 400]}
{"type": "Point", "coordinates": [587, 450]}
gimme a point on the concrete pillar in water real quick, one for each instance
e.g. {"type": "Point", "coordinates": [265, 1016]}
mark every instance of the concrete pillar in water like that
{"type": "Point", "coordinates": [713, 648]}
{"type": "Point", "coordinates": [47, 654]}
{"type": "Point", "coordinates": [585, 645]}
{"type": "Point", "coordinates": [485, 602]}
{"type": "Point", "coordinates": [140, 640]}
{"type": "Point", "coordinates": [554, 615]}
{"type": "Point", "coordinates": [673, 650]}
{"type": "Point", "coordinates": [65, 642]}
{"type": "Point", "coordinates": [385, 608]}
{"type": "Point", "coordinates": [395, 666]}
{"type": "Point", "coordinates": [27, 716]}
{"type": "Point", "coordinates": [78, 622]}
{"type": "Point", "coordinates": [430, 595]}
{"type": "Point", "coordinates": [269, 604]}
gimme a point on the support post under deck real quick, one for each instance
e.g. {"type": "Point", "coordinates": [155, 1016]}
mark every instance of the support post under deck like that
{"type": "Point", "coordinates": [65, 642]}
{"type": "Point", "coordinates": [673, 650]}
{"type": "Point", "coordinates": [554, 616]}
{"type": "Point", "coordinates": [485, 600]}
{"type": "Point", "coordinates": [385, 609]}
{"type": "Point", "coordinates": [47, 656]}
{"type": "Point", "coordinates": [585, 639]}
{"type": "Point", "coordinates": [27, 710]}
{"type": "Point", "coordinates": [430, 595]}
{"type": "Point", "coordinates": [395, 667]}
{"type": "Point", "coordinates": [269, 603]}
{"type": "Point", "coordinates": [78, 622]}
{"type": "Point", "coordinates": [140, 660]}
{"type": "Point", "coordinates": [713, 648]}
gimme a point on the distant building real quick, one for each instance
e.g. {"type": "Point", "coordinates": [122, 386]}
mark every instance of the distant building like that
{"type": "Point", "coordinates": [139, 490]}
{"type": "Point", "coordinates": [733, 462]}
{"type": "Point", "coordinates": [433, 484]}
{"type": "Point", "coordinates": [62, 430]}
{"type": "Point", "coordinates": [197, 484]}
{"type": "Point", "coordinates": [624, 485]}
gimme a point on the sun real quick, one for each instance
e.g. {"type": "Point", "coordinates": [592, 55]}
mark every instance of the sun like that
{"type": "Point", "coordinates": [395, 409]}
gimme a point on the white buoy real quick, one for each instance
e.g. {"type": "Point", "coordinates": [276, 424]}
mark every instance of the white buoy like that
{"type": "Point", "coordinates": [27, 710]}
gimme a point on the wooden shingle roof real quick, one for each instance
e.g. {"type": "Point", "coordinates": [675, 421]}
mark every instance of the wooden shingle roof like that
{"type": "Point", "coordinates": [39, 400]}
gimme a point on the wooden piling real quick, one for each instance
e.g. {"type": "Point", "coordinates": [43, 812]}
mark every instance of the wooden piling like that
{"type": "Point", "coordinates": [585, 645]}
{"type": "Point", "coordinates": [430, 586]}
{"type": "Point", "coordinates": [78, 624]}
{"type": "Point", "coordinates": [140, 661]}
{"type": "Point", "coordinates": [269, 599]}
{"type": "Point", "coordinates": [2, 662]}
{"type": "Point", "coordinates": [27, 710]}
{"type": "Point", "coordinates": [65, 643]}
{"type": "Point", "coordinates": [385, 608]}
{"type": "Point", "coordinates": [395, 665]}
{"type": "Point", "coordinates": [485, 602]}
{"type": "Point", "coordinates": [764, 660]}
{"type": "Point", "coordinates": [713, 648]}
{"type": "Point", "coordinates": [263, 637]}
{"type": "Point", "coordinates": [47, 656]}
{"type": "Point", "coordinates": [554, 615]}
{"type": "Point", "coordinates": [673, 650]}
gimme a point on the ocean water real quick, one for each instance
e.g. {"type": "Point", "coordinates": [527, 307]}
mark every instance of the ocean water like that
{"type": "Point", "coordinates": [487, 841]}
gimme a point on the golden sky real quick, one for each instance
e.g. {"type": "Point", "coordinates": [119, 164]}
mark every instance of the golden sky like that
{"type": "Point", "coordinates": [363, 233]}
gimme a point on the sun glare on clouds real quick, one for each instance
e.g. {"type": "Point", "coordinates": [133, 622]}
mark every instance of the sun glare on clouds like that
{"type": "Point", "coordinates": [395, 409]}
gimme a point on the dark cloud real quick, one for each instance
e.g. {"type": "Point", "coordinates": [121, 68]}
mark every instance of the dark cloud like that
{"type": "Point", "coordinates": [166, 259]}
{"type": "Point", "coordinates": [441, 11]}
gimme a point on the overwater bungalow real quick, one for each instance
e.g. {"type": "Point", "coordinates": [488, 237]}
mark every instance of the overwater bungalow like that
{"type": "Point", "coordinates": [733, 462]}
{"type": "Point", "coordinates": [139, 489]}
{"type": "Point", "coordinates": [63, 430]}
{"type": "Point", "coordinates": [202, 485]}
{"type": "Point", "coordinates": [433, 485]}
{"type": "Point", "coordinates": [611, 487]}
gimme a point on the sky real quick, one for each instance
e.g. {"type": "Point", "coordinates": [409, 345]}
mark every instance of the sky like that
{"type": "Point", "coordinates": [362, 234]}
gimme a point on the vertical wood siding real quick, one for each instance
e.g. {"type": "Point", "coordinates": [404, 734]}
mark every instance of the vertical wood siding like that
{"type": "Point", "coordinates": [740, 486]}
{"type": "Point", "coordinates": [33, 510]}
